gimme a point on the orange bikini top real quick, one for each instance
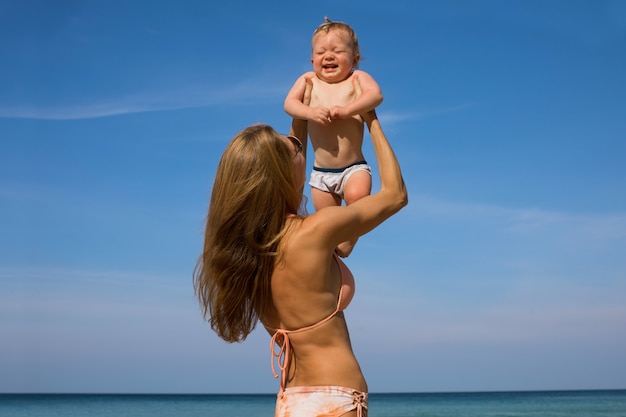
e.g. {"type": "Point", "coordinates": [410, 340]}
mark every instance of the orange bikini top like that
{"type": "Point", "coordinates": [281, 336]}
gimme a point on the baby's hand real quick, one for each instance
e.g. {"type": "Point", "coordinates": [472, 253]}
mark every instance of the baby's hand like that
{"type": "Point", "coordinates": [339, 112]}
{"type": "Point", "coordinates": [319, 114]}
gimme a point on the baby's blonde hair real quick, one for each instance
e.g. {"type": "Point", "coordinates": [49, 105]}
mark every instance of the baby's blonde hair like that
{"type": "Point", "coordinates": [329, 25]}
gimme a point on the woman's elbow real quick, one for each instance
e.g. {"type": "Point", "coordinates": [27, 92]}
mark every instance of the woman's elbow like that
{"type": "Point", "coordinates": [403, 198]}
{"type": "Point", "coordinates": [397, 199]}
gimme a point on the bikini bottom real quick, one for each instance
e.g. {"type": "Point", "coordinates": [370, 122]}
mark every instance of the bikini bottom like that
{"type": "Point", "coordinates": [327, 401]}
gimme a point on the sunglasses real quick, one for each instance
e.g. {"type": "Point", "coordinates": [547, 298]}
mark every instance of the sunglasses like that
{"type": "Point", "coordinates": [297, 142]}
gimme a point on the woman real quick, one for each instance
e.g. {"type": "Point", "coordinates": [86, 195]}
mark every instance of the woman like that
{"type": "Point", "coordinates": [263, 261]}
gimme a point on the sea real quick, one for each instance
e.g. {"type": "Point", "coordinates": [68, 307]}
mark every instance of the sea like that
{"type": "Point", "coordinates": [600, 403]}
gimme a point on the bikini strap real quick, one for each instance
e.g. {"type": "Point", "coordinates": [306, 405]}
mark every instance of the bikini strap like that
{"type": "Point", "coordinates": [280, 338]}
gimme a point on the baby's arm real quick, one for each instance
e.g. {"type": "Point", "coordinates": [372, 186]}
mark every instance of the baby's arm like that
{"type": "Point", "coordinates": [296, 109]}
{"type": "Point", "coordinates": [371, 96]}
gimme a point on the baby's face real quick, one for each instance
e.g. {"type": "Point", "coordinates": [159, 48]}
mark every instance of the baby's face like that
{"type": "Point", "coordinates": [333, 56]}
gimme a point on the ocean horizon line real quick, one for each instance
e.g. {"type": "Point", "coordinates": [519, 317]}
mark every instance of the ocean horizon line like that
{"type": "Point", "coordinates": [460, 392]}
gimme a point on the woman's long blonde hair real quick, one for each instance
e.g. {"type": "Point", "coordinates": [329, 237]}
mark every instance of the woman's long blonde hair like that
{"type": "Point", "coordinates": [253, 193]}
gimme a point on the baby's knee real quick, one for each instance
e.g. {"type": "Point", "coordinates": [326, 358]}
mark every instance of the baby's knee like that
{"type": "Point", "coordinates": [358, 186]}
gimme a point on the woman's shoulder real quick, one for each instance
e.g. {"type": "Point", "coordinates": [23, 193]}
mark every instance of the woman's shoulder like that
{"type": "Point", "coordinates": [302, 231]}
{"type": "Point", "coordinates": [318, 230]}
{"type": "Point", "coordinates": [321, 219]}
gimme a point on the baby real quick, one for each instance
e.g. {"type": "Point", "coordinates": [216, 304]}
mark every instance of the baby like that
{"type": "Point", "coordinates": [340, 93]}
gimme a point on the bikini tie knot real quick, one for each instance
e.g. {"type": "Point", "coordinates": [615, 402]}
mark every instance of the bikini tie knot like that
{"type": "Point", "coordinates": [280, 339]}
{"type": "Point", "coordinates": [360, 400]}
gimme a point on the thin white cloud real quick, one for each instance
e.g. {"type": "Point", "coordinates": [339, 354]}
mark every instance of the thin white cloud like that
{"type": "Point", "coordinates": [609, 226]}
{"type": "Point", "coordinates": [389, 117]}
{"type": "Point", "coordinates": [524, 323]}
{"type": "Point", "coordinates": [74, 293]}
{"type": "Point", "coordinates": [59, 276]}
{"type": "Point", "coordinates": [75, 112]}
{"type": "Point", "coordinates": [33, 195]}
{"type": "Point", "coordinates": [552, 276]}
{"type": "Point", "coordinates": [532, 309]}
{"type": "Point", "coordinates": [243, 92]}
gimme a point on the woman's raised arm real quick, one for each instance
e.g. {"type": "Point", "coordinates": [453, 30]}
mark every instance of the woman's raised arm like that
{"type": "Point", "coordinates": [388, 166]}
{"type": "Point", "coordinates": [336, 224]}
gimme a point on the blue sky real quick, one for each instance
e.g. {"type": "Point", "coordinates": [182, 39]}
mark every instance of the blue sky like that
{"type": "Point", "coordinates": [505, 272]}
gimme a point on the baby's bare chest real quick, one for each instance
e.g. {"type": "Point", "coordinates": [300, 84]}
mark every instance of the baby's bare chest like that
{"type": "Point", "coordinates": [328, 95]}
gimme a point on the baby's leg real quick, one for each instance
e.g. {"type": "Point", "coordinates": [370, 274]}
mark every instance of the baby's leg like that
{"type": "Point", "coordinates": [323, 199]}
{"type": "Point", "coordinates": [357, 186]}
